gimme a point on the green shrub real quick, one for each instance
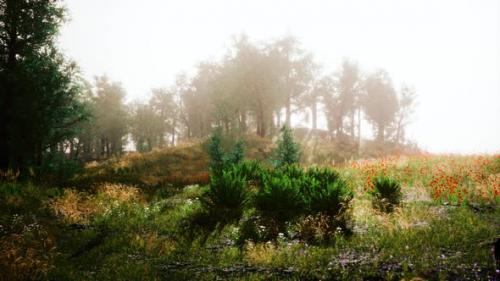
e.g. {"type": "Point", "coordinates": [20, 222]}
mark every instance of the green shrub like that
{"type": "Point", "coordinates": [288, 151]}
{"type": "Point", "coordinates": [289, 192]}
{"type": "Point", "coordinates": [386, 193]}
{"type": "Point", "coordinates": [324, 176]}
{"type": "Point", "coordinates": [278, 201]}
{"type": "Point", "coordinates": [293, 171]}
{"type": "Point", "coordinates": [253, 171]}
{"type": "Point", "coordinates": [333, 200]}
{"type": "Point", "coordinates": [227, 196]}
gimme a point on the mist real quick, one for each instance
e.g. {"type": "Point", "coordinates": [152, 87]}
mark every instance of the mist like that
{"type": "Point", "coordinates": [249, 140]}
{"type": "Point", "coordinates": [448, 51]}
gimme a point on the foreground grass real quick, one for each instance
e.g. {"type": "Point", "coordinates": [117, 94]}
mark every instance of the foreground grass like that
{"type": "Point", "coordinates": [120, 232]}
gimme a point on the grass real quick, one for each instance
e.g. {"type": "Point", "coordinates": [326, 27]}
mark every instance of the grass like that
{"type": "Point", "coordinates": [120, 230]}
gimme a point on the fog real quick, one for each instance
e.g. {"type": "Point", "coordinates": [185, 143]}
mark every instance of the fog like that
{"type": "Point", "coordinates": [449, 51]}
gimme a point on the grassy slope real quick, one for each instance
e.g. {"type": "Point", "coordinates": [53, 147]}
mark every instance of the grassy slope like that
{"type": "Point", "coordinates": [125, 232]}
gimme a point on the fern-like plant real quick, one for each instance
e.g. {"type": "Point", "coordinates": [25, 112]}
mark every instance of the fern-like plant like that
{"type": "Point", "coordinates": [386, 193]}
{"type": "Point", "coordinates": [253, 171]}
{"type": "Point", "coordinates": [292, 171]}
{"type": "Point", "coordinates": [227, 196]}
{"type": "Point", "coordinates": [324, 176]}
{"type": "Point", "coordinates": [278, 201]}
{"type": "Point", "coordinates": [332, 200]}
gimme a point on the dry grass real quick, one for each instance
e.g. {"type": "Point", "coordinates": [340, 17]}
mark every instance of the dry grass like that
{"type": "Point", "coordinates": [28, 255]}
{"type": "Point", "coordinates": [119, 192]}
{"type": "Point", "coordinates": [153, 244]}
{"type": "Point", "coordinates": [74, 206]}
{"type": "Point", "coordinates": [261, 254]}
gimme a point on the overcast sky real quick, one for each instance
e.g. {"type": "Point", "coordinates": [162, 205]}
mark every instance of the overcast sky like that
{"type": "Point", "coordinates": [448, 50]}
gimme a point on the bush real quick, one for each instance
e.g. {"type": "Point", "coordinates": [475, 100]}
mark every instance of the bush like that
{"type": "Point", "coordinates": [324, 176]}
{"type": "Point", "coordinates": [252, 171]}
{"type": "Point", "coordinates": [332, 199]}
{"type": "Point", "coordinates": [293, 171]}
{"type": "Point", "coordinates": [288, 151]}
{"type": "Point", "coordinates": [386, 193]}
{"type": "Point", "coordinates": [289, 192]}
{"type": "Point", "coordinates": [278, 201]}
{"type": "Point", "coordinates": [227, 196]}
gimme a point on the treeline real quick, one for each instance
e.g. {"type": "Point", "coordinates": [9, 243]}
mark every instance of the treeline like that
{"type": "Point", "coordinates": [253, 89]}
{"type": "Point", "coordinates": [47, 108]}
{"type": "Point", "coordinates": [257, 88]}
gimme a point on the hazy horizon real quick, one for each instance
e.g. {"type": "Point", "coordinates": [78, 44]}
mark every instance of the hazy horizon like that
{"type": "Point", "coordinates": [449, 51]}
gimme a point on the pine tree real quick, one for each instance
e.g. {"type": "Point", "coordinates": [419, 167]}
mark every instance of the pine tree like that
{"type": "Point", "coordinates": [237, 154]}
{"type": "Point", "coordinates": [288, 151]}
{"type": "Point", "coordinates": [216, 153]}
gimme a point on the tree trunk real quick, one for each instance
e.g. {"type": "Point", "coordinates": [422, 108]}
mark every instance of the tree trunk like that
{"type": "Point", "coordinates": [174, 124]}
{"type": "Point", "coordinates": [261, 123]}
{"type": "Point", "coordinates": [288, 112]}
{"type": "Point", "coordinates": [4, 146]}
{"type": "Point", "coordinates": [243, 122]}
{"type": "Point", "coordinates": [106, 143]}
{"type": "Point", "coordinates": [226, 125]}
{"type": "Point", "coordinates": [314, 113]}
{"type": "Point", "coordinates": [352, 125]}
{"type": "Point", "coordinates": [381, 132]}
{"type": "Point", "coordinates": [6, 155]}
{"type": "Point", "coordinates": [359, 131]}
{"type": "Point", "coordinates": [278, 118]}
{"type": "Point", "coordinates": [398, 130]}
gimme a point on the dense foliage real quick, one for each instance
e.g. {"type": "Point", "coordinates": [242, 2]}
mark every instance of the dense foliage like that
{"type": "Point", "coordinates": [279, 195]}
{"type": "Point", "coordinates": [386, 193]}
{"type": "Point", "coordinates": [227, 196]}
{"type": "Point", "coordinates": [40, 90]}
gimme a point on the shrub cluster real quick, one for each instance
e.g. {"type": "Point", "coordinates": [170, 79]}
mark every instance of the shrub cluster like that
{"type": "Point", "coordinates": [291, 192]}
{"type": "Point", "coordinates": [274, 197]}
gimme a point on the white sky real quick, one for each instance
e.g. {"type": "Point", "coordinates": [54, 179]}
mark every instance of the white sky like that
{"type": "Point", "coordinates": [448, 50]}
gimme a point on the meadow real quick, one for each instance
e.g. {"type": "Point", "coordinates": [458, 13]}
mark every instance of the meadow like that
{"type": "Point", "coordinates": [125, 219]}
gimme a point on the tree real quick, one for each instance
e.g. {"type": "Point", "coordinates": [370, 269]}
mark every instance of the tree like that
{"type": "Point", "coordinates": [256, 74]}
{"type": "Point", "coordinates": [406, 106]}
{"type": "Point", "coordinates": [288, 151]}
{"type": "Point", "coordinates": [197, 105]}
{"type": "Point", "coordinates": [296, 67]}
{"type": "Point", "coordinates": [331, 100]}
{"type": "Point", "coordinates": [318, 89]}
{"type": "Point", "coordinates": [380, 102]}
{"type": "Point", "coordinates": [111, 116]}
{"type": "Point", "coordinates": [348, 85]}
{"type": "Point", "coordinates": [146, 127]}
{"type": "Point", "coordinates": [163, 104]}
{"type": "Point", "coordinates": [40, 90]}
